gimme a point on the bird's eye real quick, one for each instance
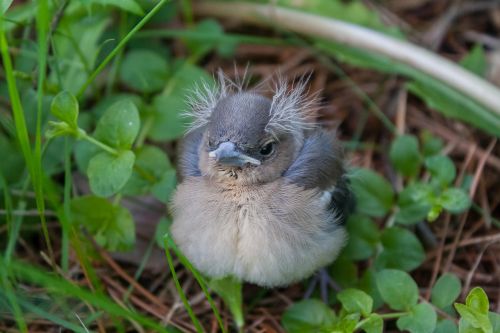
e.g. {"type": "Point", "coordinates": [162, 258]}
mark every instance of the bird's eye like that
{"type": "Point", "coordinates": [267, 149]}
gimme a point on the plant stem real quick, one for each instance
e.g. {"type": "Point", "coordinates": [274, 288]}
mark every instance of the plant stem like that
{"type": "Point", "coordinates": [181, 293]}
{"type": "Point", "coordinates": [103, 146]}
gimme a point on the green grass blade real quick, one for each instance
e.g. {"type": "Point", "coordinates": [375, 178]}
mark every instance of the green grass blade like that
{"type": "Point", "coordinates": [7, 201]}
{"type": "Point", "coordinates": [6, 286]}
{"type": "Point", "coordinates": [14, 233]}
{"type": "Point", "coordinates": [181, 293]}
{"type": "Point", "coordinates": [66, 206]}
{"type": "Point", "coordinates": [21, 129]}
{"type": "Point", "coordinates": [42, 25]}
{"type": "Point", "coordinates": [201, 281]}
{"type": "Point", "coordinates": [120, 45]}
{"type": "Point", "coordinates": [59, 286]}
{"type": "Point", "coordinates": [51, 317]}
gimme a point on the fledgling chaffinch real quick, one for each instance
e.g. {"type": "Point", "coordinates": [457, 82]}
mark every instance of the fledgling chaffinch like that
{"type": "Point", "coordinates": [263, 195]}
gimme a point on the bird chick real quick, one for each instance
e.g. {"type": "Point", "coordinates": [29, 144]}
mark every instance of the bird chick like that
{"type": "Point", "coordinates": [263, 195]}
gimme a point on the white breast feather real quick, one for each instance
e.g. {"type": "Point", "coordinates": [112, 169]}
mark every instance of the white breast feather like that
{"type": "Point", "coordinates": [268, 241]}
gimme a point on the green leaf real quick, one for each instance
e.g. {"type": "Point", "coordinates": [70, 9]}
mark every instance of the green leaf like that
{"type": "Point", "coordinates": [308, 316]}
{"type": "Point", "coordinates": [144, 70]}
{"type": "Point", "coordinates": [151, 164]}
{"type": "Point", "coordinates": [455, 200]}
{"type": "Point", "coordinates": [109, 173]}
{"type": "Point", "coordinates": [11, 168]}
{"type": "Point", "coordinates": [397, 289]}
{"type": "Point", "coordinates": [401, 250]}
{"type": "Point", "coordinates": [374, 194]}
{"type": "Point", "coordinates": [128, 5]}
{"type": "Point", "coordinates": [112, 226]}
{"type": "Point", "coordinates": [356, 301]}
{"type": "Point", "coordinates": [495, 321]}
{"type": "Point", "coordinates": [475, 61]}
{"type": "Point", "coordinates": [119, 125]}
{"type": "Point", "coordinates": [422, 319]}
{"type": "Point", "coordinates": [455, 104]}
{"type": "Point", "coordinates": [446, 326]}
{"type": "Point", "coordinates": [65, 108]}
{"type": "Point", "coordinates": [229, 289]}
{"type": "Point", "coordinates": [78, 43]}
{"type": "Point", "coordinates": [5, 5]}
{"type": "Point", "coordinates": [344, 271]}
{"type": "Point", "coordinates": [446, 290]}
{"type": "Point", "coordinates": [347, 323]}
{"type": "Point", "coordinates": [405, 155]}
{"type": "Point", "coordinates": [368, 283]}
{"type": "Point", "coordinates": [373, 324]}
{"type": "Point", "coordinates": [414, 203]}
{"type": "Point", "coordinates": [431, 145]}
{"type": "Point", "coordinates": [474, 318]}
{"type": "Point", "coordinates": [166, 186]}
{"type": "Point", "coordinates": [168, 124]}
{"type": "Point", "coordinates": [199, 48]}
{"type": "Point", "coordinates": [84, 151]}
{"type": "Point", "coordinates": [478, 300]}
{"type": "Point", "coordinates": [442, 168]}
{"type": "Point", "coordinates": [363, 238]}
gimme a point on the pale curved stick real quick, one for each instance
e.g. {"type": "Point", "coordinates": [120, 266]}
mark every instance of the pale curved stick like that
{"type": "Point", "coordinates": [353, 35]}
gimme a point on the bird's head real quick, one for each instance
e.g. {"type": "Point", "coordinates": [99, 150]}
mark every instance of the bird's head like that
{"type": "Point", "coordinates": [248, 138]}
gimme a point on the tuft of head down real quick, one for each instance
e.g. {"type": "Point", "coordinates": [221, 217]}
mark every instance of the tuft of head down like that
{"type": "Point", "coordinates": [292, 109]}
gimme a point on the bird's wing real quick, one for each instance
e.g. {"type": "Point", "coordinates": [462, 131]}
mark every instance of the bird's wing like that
{"type": "Point", "coordinates": [320, 165]}
{"type": "Point", "coordinates": [189, 155]}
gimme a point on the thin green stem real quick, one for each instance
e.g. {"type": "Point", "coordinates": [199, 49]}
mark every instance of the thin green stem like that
{"type": "Point", "coordinates": [394, 315]}
{"type": "Point", "coordinates": [42, 24]}
{"type": "Point", "coordinates": [66, 207]}
{"type": "Point", "coordinates": [120, 45]}
{"type": "Point", "coordinates": [181, 293]}
{"type": "Point", "coordinates": [103, 146]}
{"type": "Point", "coordinates": [33, 164]}
{"type": "Point", "coordinates": [11, 297]}
{"type": "Point", "coordinates": [197, 277]}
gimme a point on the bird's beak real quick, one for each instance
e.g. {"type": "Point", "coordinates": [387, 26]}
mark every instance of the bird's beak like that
{"type": "Point", "coordinates": [227, 154]}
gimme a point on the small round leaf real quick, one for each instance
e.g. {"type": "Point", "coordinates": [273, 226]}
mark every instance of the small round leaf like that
{"type": "Point", "coordinates": [441, 168]}
{"type": "Point", "coordinates": [356, 301]}
{"type": "Point", "coordinates": [65, 108]}
{"type": "Point", "coordinates": [119, 125]}
{"type": "Point", "coordinates": [373, 324]}
{"type": "Point", "coordinates": [446, 290]}
{"type": "Point", "coordinates": [144, 70]}
{"type": "Point", "coordinates": [112, 226]}
{"type": "Point", "coordinates": [364, 236]}
{"type": "Point", "coordinates": [401, 250]}
{"type": "Point", "coordinates": [374, 194]}
{"type": "Point", "coordinates": [478, 300]}
{"type": "Point", "coordinates": [308, 316]}
{"type": "Point", "coordinates": [108, 173]}
{"type": "Point", "coordinates": [455, 200]}
{"type": "Point", "coordinates": [422, 319]}
{"type": "Point", "coordinates": [397, 289]}
{"type": "Point", "coordinates": [405, 155]}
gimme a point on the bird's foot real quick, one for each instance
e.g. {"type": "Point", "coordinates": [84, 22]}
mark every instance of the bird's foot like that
{"type": "Point", "coordinates": [325, 282]}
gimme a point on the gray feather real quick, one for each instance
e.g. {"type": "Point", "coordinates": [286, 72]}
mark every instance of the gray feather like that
{"type": "Point", "coordinates": [189, 154]}
{"type": "Point", "coordinates": [319, 163]}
